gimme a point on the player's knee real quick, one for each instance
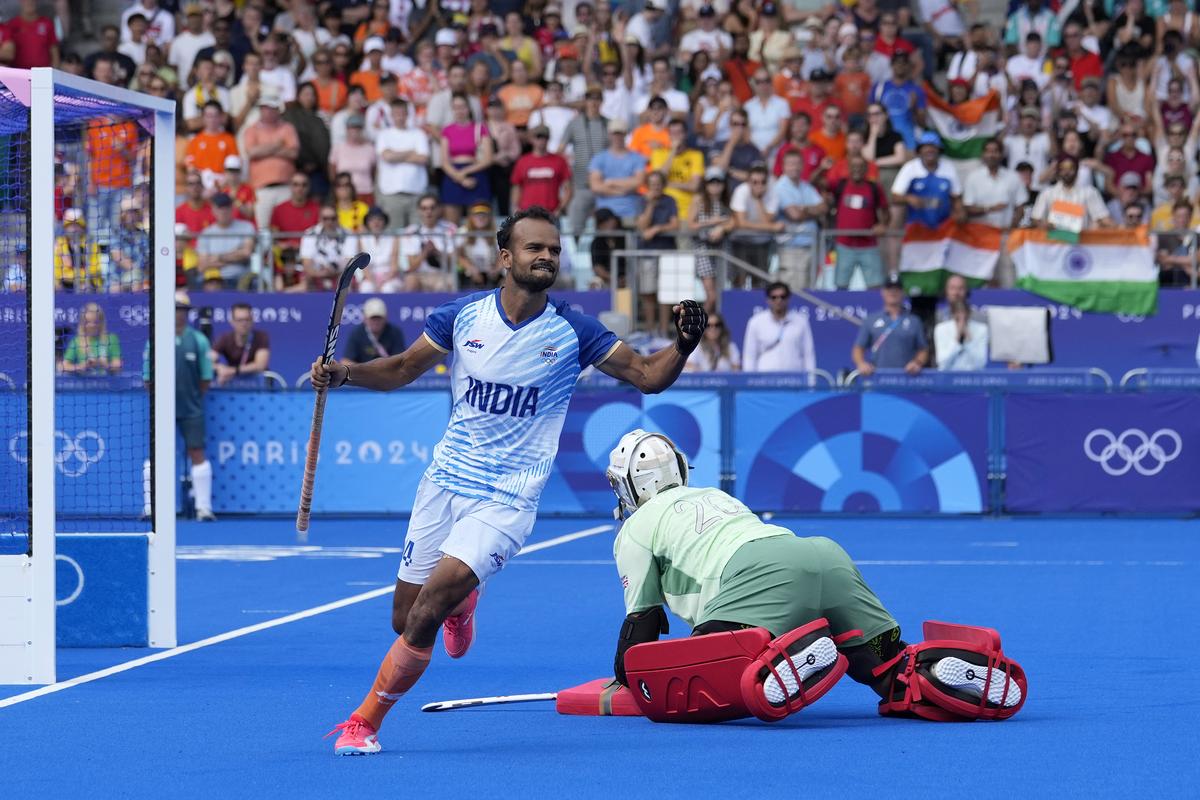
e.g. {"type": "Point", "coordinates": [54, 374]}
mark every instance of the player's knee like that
{"type": "Point", "coordinates": [399, 618]}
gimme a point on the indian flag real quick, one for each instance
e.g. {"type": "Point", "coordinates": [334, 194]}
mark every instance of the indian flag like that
{"type": "Point", "coordinates": [928, 255]}
{"type": "Point", "coordinates": [1108, 270]}
{"type": "Point", "coordinates": [965, 127]}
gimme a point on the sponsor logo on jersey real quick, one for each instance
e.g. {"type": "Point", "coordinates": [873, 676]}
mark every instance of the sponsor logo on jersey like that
{"type": "Point", "coordinates": [549, 354]}
{"type": "Point", "coordinates": [500, 398]}
{"type": "Point", "coordinates": [474, 344]}
{"type": "Point", "coordinates": [497, 560]}
{"type": "Point", "coordinates": [625, 581]}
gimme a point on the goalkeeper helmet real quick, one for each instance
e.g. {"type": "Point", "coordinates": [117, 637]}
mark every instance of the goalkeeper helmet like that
{"type": "Point", "coordinates": [642, 465]}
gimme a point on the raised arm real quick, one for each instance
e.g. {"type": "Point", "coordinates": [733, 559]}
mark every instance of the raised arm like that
{"type": "Point", "coordinates": [381, 374]}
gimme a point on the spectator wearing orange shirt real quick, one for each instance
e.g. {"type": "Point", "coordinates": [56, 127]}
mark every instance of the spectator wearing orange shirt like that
{"type": "Point", "coordinates": [208, 149]}
{"type": "Point", "coordinates": [368, 77]}
{"type": "Point", "coordinates": [856, 140]}
{"type": "Point", "coordinates": [111, 148]}
{"type": "Point", "coordinates": [422, 82]}
{"type": "Point", "coordinates": [852, 87]}
{"type": "Point", "coordinates": [272, 146]}
{"type": "Point", "coordinates": [740, 68]}
{"type": "Point", "coordinates": [788, 82]}
{"type": "Point", "coordinates": [520, 97]}
{"type": "Point", "coordinates": [652, 134]}
{"type": "Point", "coordinates": [331, 92]}
{"type": "Point", "coordinates": [376, 25]}
{"type": "Point", "coordinates": [830, 135]}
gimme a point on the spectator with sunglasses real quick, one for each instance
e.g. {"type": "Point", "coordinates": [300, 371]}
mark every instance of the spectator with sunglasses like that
{"type": "Point", "coordinates": [778, 339]}
{"type": "Point", "coordinates": [716, 352]}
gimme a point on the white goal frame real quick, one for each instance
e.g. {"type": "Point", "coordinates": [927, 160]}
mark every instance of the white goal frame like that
{"type": "Point", "coordinates": [27, 583]}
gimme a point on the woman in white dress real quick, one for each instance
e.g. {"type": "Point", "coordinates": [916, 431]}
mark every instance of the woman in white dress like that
{"type": "Point", "coordinates": [383, 274]}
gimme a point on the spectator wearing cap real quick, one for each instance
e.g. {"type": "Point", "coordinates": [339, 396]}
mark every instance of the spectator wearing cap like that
{"type": "Point", "coordinates": [1033, 16]}
{"type": "Point", "coordinates": [424, 80]}
{"type": "Point", "coordinates": [356, 157]}
{"type": "Point", "coordinates": [767, 114]}
{"type": "Point", "coordinates": [207, 150]}
{"type": "Point", "coordinates": [1129, 158]}
{"type": "Point", "coordinates": [928, 186]}
{"type": "Point", "coordinates": [427, 249]}
{"type": "Point", "coordinates": [555, 115]}
{"type": "Point", "coordinates": [374, 338]}
{"type": "Point", "coordinates": [437, 112]}
{"type": "Point", "coordinates": [190, 41]}
{"type": "Point", "coordinates": [383, 273]}
{"type": "Point", "coordinates": [403, 159]}
{"type": "Point", "coordinates": [274, 72]}
{"type": "Point", "coordinates": [129, 253]}
{"type": "Point", "coordinates": [227, 243]}
{"type": "Point", "coordinates": [242, 350]}
{"type": "Point", "coordinates": [1129, 197]}
{"type": "Point", "coordinates": [891, 338]}
{"type": "Point", "coordinates": [541, 178]}
{"type": "Point", "coordinates": [903, 100]}
{"type": "Point", "coordinates": [586, 136]}
{"type": "Point", "coordinates": [646, 27]}
{"type": "Point", "coordinates": [272, 147]}
{"type": "Point", "coordinates": [681, 165]}
{"type": "Point", "coordinates": [1069, 205]}
{"type": "Point", "coordinates": [1029, 144]}
{"type": "Point", "coordinates": [615, 175]}
{"type": "Point", "coordinates": [77, 265]}
{"type": "Point", "coordinates": [370, 73]}
{"type": "Point", "coordinates": [520, 97]}
{"type": "Point", "coordinates": [313, 158]}
{"type": "Point", "coordinates": [710, 221]}
{"type": "Point", "coordinates": [707, 36]}
{"type": "Point", "coordinates": [446, 47]}
{"type": "Point", "coordinates": [295, 215]}
{"type": "Point", "coordinates": [322, 250]}
{"type": "Point", "coordinates": [778, 338]}
{"type": "Point", "coordinates": [740, 68]}
{"type": "Point", "coordinates": [524, 48]}
{"type": "Point", "coordinates": [193, 374]}
{"type": "Point", "coordinates": [242, 193]}
{"type": "Point", "coordinates": [738, 154]}
{"type": "Point", "coordinates": [475, 254]}
{"type": "Point", "coordinates": [652, 134]}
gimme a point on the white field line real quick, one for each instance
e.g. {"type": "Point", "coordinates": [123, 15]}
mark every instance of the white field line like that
{"type": "Point", "coordinates": [163, 655]}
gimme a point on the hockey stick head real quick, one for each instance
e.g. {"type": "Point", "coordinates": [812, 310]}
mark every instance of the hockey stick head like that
{"type": "Point", "coordinates": [354, 265]}
{"type": "Point", "coordinates": [339, 302]}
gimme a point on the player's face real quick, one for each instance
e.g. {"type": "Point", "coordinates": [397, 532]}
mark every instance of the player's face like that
{"type": "Point", "coordinates": [533, 254]}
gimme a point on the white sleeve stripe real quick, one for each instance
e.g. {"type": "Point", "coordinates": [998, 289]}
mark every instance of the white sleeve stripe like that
{"type": "Point", "coordinates": [435, 345]}
{"type": "Point", "coordinates": [606, 356]}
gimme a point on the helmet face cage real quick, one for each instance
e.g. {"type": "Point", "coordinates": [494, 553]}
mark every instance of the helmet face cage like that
{"type": "Point", "coordinates": [622, 464]}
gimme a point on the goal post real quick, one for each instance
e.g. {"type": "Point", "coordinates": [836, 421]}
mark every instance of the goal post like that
{"type": "Point", "coordinates": [87, 489]}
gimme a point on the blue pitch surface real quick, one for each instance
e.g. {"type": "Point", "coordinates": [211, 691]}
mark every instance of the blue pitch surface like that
{"type": "Point", "coordinates": [1100, 613]}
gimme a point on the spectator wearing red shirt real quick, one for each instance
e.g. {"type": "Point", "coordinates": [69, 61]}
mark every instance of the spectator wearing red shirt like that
{"type": "Point", "coordinates": [788, 82]}
{"type": "Point", "coordinates": [194, 211]}
{"type": "Point", "coordinates": [34, 41]}
{"type": "Point", "coordinates": [820, 95]}
{"type": "Point", "coordinates": [296, 214]}
{"type": "Point", "coordinates": [1084, 63]}
{"type": "Point", "coordinates": [740, 68]}
{"type": "Point", "coordinates": [541, 178]}
{"type": "Point", "coordinates": [811, 154]}
{"type": "Point", "coordinates": [860, 204]}
{"type": "Point", "coordinates": [889, 42]}
{"type": "Point", "coordinates": [1128, 158]}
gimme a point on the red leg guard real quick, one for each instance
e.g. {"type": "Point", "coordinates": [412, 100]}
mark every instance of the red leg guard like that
{"type": "Point", "coordinates": [725, 676]}
{"type": "Point", "coordinates": [976, 680]}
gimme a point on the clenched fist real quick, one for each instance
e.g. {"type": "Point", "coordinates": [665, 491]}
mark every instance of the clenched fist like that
{"type": "Point", "coordinates": [690, 321]}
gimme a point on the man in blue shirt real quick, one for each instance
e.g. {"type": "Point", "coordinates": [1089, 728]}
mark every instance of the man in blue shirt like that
{"type": "Point", "coordinates": [616, 174]}
{"type": "Point", "coordinates": [903, 99]}
{"type": "Point", "coordinates": [800, 206]}
{"type": "Point", "coordinates": [928, 186]}
{"type": "Point", "coordinates": [892, 338]}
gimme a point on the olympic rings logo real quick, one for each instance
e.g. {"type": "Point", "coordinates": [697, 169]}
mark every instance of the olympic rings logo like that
{"type": "Point", "coordinates": [73, 456]}
{"type": "Point", "coordinates": [1133, 449]}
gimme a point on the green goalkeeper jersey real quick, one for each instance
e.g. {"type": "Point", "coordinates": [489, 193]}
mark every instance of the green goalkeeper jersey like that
{"type": "Point", "coordinates": [673, 549]}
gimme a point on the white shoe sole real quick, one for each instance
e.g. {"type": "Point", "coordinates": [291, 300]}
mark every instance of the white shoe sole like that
{"type": "Point", "coordinates": [817, 656]}
{"type": "Point", "coordinates": [969, 678]}
{"type": "Point", "coordinates": [370, 749]}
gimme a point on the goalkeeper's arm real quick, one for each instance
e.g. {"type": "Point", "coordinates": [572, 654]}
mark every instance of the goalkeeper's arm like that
{"type": "Point", "coordinates": [382, 374]}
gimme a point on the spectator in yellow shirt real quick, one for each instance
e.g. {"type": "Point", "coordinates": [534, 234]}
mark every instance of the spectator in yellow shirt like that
{"type": "Point", "coordinates": [682, 166]}
{"type": "Point", "coordinates": [76, 256]}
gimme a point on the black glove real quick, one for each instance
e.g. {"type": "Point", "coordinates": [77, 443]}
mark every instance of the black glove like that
{"type": "Point", "coordinates": [690, 321]}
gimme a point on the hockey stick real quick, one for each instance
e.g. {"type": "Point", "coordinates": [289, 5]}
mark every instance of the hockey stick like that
{"type": "Point", "coordinates": [314, 436]}
{"type": "Point", "coordinates": [450, 705]}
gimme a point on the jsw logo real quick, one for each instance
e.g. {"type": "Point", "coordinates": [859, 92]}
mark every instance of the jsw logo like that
{"type": "Point", "coordinates": [474, 344]}
{"type": "Point", "coordinates": [500, 398]}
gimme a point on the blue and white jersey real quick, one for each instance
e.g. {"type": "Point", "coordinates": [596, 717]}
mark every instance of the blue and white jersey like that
{"type": "Point", "coordinates": [511, 385]}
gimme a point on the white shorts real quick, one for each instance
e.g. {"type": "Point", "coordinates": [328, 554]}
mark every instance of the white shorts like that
{"type": "Point", "coordinates": [483, 534]}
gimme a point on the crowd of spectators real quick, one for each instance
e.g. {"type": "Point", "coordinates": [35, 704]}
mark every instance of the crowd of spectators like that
{"type": "Point", "coordinates": [406, 128]}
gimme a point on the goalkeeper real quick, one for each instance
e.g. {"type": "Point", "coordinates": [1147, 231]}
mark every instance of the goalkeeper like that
{"type": "Point", "coordinates": [708, 558]}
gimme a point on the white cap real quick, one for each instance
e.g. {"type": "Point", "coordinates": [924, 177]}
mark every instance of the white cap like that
{"type": "Point", "coordinates": [73, 215]}
{"type": "Point", "coordinates": [373, 44]}
{"type": "Point", "coordinates": [233, 162]}
{"type": "Point", "coordinates": [447, 37]}
{"type": "Point", "coordinates": [374, 308]}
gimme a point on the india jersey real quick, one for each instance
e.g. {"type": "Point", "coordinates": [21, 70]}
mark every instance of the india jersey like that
{"type": "Point", "coordinates": [510, 388]}
{"type": "Point", "coordinates": [674, 548]}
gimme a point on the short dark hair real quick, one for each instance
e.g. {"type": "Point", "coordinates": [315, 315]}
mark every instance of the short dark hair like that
{"type": "Point", "coordinates": [504, 233]}
{"type": "Point", "coordinates": [243, 306]}
{"type": "Point", "coordinates": [775, 286]}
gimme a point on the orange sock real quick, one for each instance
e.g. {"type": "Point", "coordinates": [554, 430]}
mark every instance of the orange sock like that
{"type": "Point", "coordinates": [401, 668]}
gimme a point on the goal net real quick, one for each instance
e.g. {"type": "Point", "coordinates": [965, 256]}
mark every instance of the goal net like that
{"type": "Point", "coordinates": [87, 371]}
